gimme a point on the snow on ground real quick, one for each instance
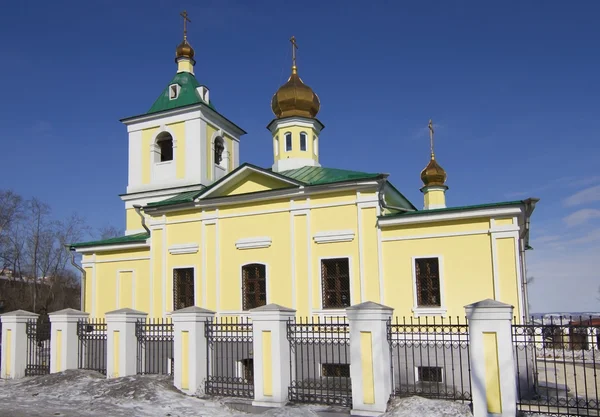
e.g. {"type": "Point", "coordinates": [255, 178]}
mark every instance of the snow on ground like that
{"type": "Point", "coordinates": [417, 406]}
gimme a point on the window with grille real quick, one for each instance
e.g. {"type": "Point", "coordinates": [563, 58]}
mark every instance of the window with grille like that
{"type": "Point", "coordinates": [335, 370]}
{"type": "Point", "coordinates": [335, 276]}
{"type": "Point", "coordinates": [302, 141]}
{"type": "Point", "coordinates": [246, 370]}
{"type": "Point", "coordinates": [183, 288]}
{"type": "Point", "coordinates": [427, 272]}
{"type": "Point", "coordinates": [254, 286]}
{"type": "Point", "coordinates": [429, 374]}
{"type": "Point", "coordinates": [288, 142]}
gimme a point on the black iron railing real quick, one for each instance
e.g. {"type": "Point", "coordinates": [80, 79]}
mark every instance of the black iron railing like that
{"type": "Point", "coordinates": [229, 360]}
{"type": "Point", "coordinates": [92, 345]}
{"type": "Point", "coordinates": [38, 348]}
{"type": "Point", "coordinates": [155, 346]}
{"type": "Point", "coordinates": [558, 365]}
{"type": "Point", "coordinates": [320, 361]}
{"type": "Point", "coordinates": [430, 358]}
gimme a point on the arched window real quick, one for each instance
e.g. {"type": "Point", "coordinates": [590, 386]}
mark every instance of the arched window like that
{"type": "Point", "coordinates": [165, 146]}
{"type": "Point", "coordinates": [302, 141]}
{"type": "Point", "coordinates": [254, 286]}
{"type": "Point", "coordinates": [288, 142]}
{"type": "Point", "coordinates": [218, 149]}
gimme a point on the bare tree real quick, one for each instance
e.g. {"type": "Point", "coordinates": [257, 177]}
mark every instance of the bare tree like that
{"type": "Point", "coordinates": [108, 231]}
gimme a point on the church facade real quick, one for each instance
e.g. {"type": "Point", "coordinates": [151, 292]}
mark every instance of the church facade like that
{"type": "Point", "coordinates": [203, 229]}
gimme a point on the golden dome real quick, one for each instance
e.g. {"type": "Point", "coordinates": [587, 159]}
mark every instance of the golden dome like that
{"type": "Point", "coordinates": [184, 50]}
{"type": "Point", "coordinates": [433, 174]}
{"type": "Point", "coordinates": [295, 98]}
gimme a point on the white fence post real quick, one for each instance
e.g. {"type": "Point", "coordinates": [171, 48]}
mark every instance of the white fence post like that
{"type": "Point", "coordinates": [271, 354]}
{"type": "Point", "coordinates": [121, 342]}
{"type": "Point", "coordinates": [493, 373]}
{"type": "Point", "coordinates": [190, 348]}
{"type": "Point", "coordinates": [64, 341]}
{"type": "Point", "coordinates": [14, 343]}
{"type": "Point", "coordinates": [370, 365]}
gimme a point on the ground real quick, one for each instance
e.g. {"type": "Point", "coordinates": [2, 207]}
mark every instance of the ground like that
{"type": "Point", "coordinates": [89, 394]}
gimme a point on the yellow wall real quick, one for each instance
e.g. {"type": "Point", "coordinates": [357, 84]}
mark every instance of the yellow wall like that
{"type": "Point", "coordinates": [210, 131]}
{"type": "Point", "coordinates": [254, 183]}
{"type": "Point", "coordinates": [132, 220]}
{"type": "Point", "coordinates": [149, 135]}
{"type": "Point", "coordinates": [507, 271]}
{"type": "Point", "coordinates": [435, 198]}
{"type": "Point", "coordinates": [295, 152]}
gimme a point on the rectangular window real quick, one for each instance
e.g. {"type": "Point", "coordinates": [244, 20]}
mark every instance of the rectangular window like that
{"type": "Point", "coordinates": [254, 286]}
{"type": "Point", "coordinates": [183, 288]}
{"type": "Point", "coordinates": [335, 370]}
{"type": "Point", "coordinates": [429, 374]}
{"type": "Point", "coordinates": [288, 142]}
{"type": "Point", "coordinates": [335, 276]}
{"type": "Point", "coordinates": [302, 141]}
{"type": "Point", "coordinates": [427, 271]}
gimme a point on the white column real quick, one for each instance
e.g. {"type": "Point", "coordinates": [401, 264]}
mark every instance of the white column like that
{"type": "Point", "coordinates": [271, 354]}
{"type": "Point", "coordinates": [370, 359]}
{"type": "Point", "coordinates": [64, 341]}
{"type": "Point", "coordinates": [14, 343]}
{"type": "Point", "coordinates": [121, 342]}
{"type": "Point", "coordinates": [190, 348]}
{"type": "Point", "coordinates": [493, 372]}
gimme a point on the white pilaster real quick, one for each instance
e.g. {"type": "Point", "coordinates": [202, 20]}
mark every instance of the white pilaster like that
{"type": "Point", "coordinates": [14, 351]}
{"type": "Point", "coordinates": [370, 364]}
{"type": "Point", "coordinates": [190, 348]}
{"type": "Point", "coordinates": [64, 340]}
{"type": "Point", "coordinates": [492, 364]}
{"type": "Point", "coordinates": [270, 323]}
{"type": "Point", "coordinates": [121, 342]}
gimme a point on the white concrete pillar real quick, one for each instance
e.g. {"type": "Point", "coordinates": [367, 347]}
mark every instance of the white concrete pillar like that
{"type": "Point", "coordinates": [370, 359]}
{"type": "Point", "coordinates": [121, 342]}
{"type": "Point", "coordinates": [271, 354]}
{"type": "Point", "coordinates": [190, 348]}
{"type": "Point", "coordinates": [14, 343]}
{"type": "Point", "coordinates": [64, 341]}
{"type": "Point", "coordinates": [493, 372]}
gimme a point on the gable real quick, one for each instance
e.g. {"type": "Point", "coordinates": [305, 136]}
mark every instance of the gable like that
{"type": "Point", "coordinates": [254, 183]}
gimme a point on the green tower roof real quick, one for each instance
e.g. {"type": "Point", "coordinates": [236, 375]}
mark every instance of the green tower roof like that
{"type": "Point", "coordinates": [187, 94]}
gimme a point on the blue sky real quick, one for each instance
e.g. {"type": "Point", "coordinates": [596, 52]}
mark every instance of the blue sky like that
{"type": "Point", "coordinates": [511, 86]}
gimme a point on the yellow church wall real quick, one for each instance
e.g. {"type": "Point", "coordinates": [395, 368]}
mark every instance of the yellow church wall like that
{"type": "Point", "coordinates": [507, 271]}
{"type": "Point", "coordinates": [229, 144]}
{"type": "Point", "coordinates": [333, 198]}
{"type": "Point", "coordinates": [147, 137]}
{"type": "Point", "coordinates": [466, 271]}
{"type": "Point", "coordinates": [295, 152]}
{"type": "Point", "coordinates": [178, 130]}
{"type": "Point", "coordinates": [333, 218]}
{"type": "Point", "coordinates": [255, 183]}
{"type": "Point", "coordinates": [503, 222]}
{"type": "Point", "coordinates": [210, 266]}
{"type": "Point", "coordinates": [370, 257]}
{"type": "Point", "coordinates": [132, 220]}
{"type": "Point", "coordinates": [436, 228]}
{"type": "Point", "coordinates": [157, 273]}
{"type": "Point", "coordinates": [436, 198]}
{"type": "Point", "coordinates": [257, 207]}
{"type": "Point", "coordinates": [89, 290]}
{"type": "Point", "coordinates": [210, 131]}
{"type": "Point", "coordinates": [301, 264]}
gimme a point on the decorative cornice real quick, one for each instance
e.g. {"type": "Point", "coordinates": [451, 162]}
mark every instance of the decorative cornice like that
{"type": "Point", "coordinates": [183, 248]}
{"type": "Point", "coordinates": [333, 236]}
{"type": "Point", "coordinates": [254, 242]}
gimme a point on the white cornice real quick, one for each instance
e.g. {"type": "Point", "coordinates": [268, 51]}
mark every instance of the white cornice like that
{"type": "Point", "coordinates": [163, 192]}
{"type": "Point", "coordinates": [457, 215]}
{"type": "Point", "coordinates": [295, 121]}
{"type": "Point", "coordinates": [332, 236]}
{"type": "Point", "coordinates": [254, 242]}
{"type": "Point", "coordinates": [108, 248]}
{"type": "Point", "coordinates": [183, 248]}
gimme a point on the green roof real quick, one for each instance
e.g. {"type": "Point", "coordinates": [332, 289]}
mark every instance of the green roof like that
{"type": "Point", "coordinates": [186, 197]}
{"type": "Point", "coordinates": [450, 209]}
{"type": "Point", "coordinates": [319, 175]}
{"type": "Point", "coordinates": [187, 94]}
{"type": "Point", "coordinates": [138, 237]}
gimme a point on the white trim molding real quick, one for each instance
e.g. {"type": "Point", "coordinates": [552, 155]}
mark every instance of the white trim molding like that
{"type": "Point", "coordinates": [333, 236]}
{"type": "Point", "coordinates": [432, 216]}
{"type": "Point", "coordinates": [419, 311]}
{"type": "Point", "coordinates": [253, 242]}
{"type": "Point", "coordinates": [184, 248]}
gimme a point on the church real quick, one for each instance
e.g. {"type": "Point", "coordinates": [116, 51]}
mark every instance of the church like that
{"type": "Point", "coordinates": [204, 230]}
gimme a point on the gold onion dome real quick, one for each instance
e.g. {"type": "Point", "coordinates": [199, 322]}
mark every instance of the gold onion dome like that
{"type": "Point", "coordinates": [184, 50]}
{"type": "Point", "coordinates": [295, 98]}
{"type": "Point", "coordinates": [433, 174]}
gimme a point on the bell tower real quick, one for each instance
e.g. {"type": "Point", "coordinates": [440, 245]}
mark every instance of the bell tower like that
{"type": "Point", "coordinates": [295, 129]}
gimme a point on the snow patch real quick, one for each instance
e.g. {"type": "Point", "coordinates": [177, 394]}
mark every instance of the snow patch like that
{"type": "Point", "coordinates": [424, 407]}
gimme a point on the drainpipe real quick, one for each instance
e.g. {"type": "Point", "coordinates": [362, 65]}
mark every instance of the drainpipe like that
{"type": "Point", "coordinates": [382, 202]}
{"type": "Point", "coordinates": [138, 210]}
{"type": "Point", "coordinates": [83, 281]}
{"type": "Point", "coordinates": [524, 236]}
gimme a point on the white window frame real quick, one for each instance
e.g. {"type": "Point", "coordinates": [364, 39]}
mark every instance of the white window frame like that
{"type": "Point", "coordinates": [429, 382]}
{"type": "Point", "coordinates": [429, 311]}
{"type": "Point", "coordinates": [286, 136]}
{"type": "Point", "coordinates": [177, 91]}
{"type": "Point", "coordinates": [267, 300]}
{"type": "Point", "coordinates": [304, 136]}
{"type": "Point", "coordinates": [173, 283]}
{"type": "Point", "coordinates": [333, 312]}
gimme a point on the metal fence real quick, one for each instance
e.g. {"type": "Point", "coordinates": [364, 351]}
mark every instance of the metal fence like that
{"type": "Point", "coordinates": [38, 347]}
{"type": "Point", "coordinates": [430, 358]}
{"type": "Point", "coordinates": [92, 345]}
{"type": "Point", "coordinates": [320, 361]}
{"type": "Point", "coordinates": [155, 346]}
{"type": "Point", "coordinates": [558, 364]}
{"type": "Point", "coordinates": [229, 358]}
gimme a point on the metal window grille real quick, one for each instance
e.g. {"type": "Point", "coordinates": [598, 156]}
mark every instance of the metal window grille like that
{"type": "Point", "coordinates": [155, 346]}
{"type": "Point", "coordinates": [92, 345]}
{"type": "Point", "coordinates": [254, 286]}
{"type": "Point", "coordinates": [335, 277]}
{"type": "Point", "coordinates": [183, 288]}
{"type": "Point", "coordinates": [320, 361]}
{"type": "Point", "coordinates": [557, 361]}
{"type": "Point", "coordinates": [229, 357]}
{"type": "Point", "coordinates": [38, 347]}
{"type": "Point", "coordinates": [428, 282]}
{"type": "Point", "coordinates": [430, 358]}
